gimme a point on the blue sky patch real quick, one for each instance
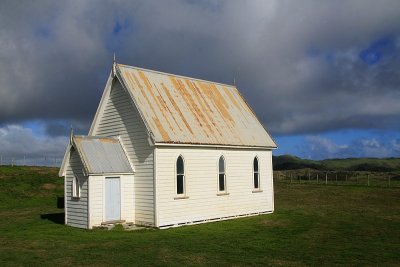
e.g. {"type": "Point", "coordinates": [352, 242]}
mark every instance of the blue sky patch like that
{"type": "Point", "coordinates": [378, 50]}
{"type": "Point", "coordinates": [120, 26]}
{"type": "Point", "coordinates": [43, 33]}
{"type": "Point", "coordinates": [36, 126]}
{"type": "Point", "coordinates": [340, 144]}
{"type": "Point", "coordinates": [114, 40]}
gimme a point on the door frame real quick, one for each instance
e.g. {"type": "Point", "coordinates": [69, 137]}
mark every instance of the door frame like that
{"type": "Point", "coordinates": [104, 196]}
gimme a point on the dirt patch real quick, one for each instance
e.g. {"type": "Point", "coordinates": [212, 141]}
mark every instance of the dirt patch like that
{"type": "Point", "coordinates": [275, 223]}
{"type": "Point", "coordinates": [195, 259]}
{"type": "Point", "coordinates": [394, 217]}
{"type": "Point", "coordinates": [48, 186]}
{"type": "Point", "coordinates": [16, 213]}
{"type": "Point", "coordinates": [165, 255]}
{"type": "Point", "coordinates": [286, 263]}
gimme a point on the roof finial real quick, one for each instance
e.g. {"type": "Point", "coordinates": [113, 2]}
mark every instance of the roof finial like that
{"type": "Point", "coordinates": [71, 135]}
{"type": "Point", "coordinates": [234, 81]}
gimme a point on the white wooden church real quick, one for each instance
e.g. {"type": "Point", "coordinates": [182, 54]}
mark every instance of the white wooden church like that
{"type": "Point", "coordinates": [166, 150]}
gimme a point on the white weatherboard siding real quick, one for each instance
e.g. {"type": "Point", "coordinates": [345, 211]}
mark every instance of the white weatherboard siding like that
{"type": "Point", "coordinates": [201, 170]}
{"type": "Point", "coordinates": [121, 118]}
{"type": "Point", "coordinates": [77, 214]}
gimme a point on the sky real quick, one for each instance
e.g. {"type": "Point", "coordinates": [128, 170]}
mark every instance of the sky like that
{"type": "Point", "coordinates": [322, 76]}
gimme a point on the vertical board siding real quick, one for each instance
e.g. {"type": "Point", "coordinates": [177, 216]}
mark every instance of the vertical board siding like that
{"type": "Point", "coordinates": [77, 208]}
{"type": "Point", "coordinates": [201, 173]}
{"type": "Point", "coordinates": [121, 118]}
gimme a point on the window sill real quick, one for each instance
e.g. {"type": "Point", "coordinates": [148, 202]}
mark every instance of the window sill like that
{"type": "Point", "coordinates": [257, 191]}
{"type": "Point", "coordinates": [181, 197]}
{"type": "Point", "coordinates": [223, 194]}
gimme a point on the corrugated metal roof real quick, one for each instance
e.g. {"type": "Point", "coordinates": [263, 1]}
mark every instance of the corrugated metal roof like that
{"type": "Point", "coordinates": [102, 155]}
{"type": "Point", "coordinates": [179, 109]}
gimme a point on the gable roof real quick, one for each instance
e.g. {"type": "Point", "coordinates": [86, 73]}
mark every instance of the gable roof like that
{"type": "Point", "coordinates": [99, 155]}
{"type": "Point", "coordinates": [184, 110]}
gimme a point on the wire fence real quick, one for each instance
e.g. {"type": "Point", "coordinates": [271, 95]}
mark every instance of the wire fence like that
{"type": "Point", "coordinates": [362, 178]}
{"type": "Point", "coordinates": [47, 161]}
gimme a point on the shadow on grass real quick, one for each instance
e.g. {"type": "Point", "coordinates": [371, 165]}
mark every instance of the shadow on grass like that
{"type": "Point", "coordinates": [57, 218]}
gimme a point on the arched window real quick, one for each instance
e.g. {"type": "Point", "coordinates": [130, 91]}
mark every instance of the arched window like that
{"type": "Point", "coordinates": [256, 173]}
{"type": "Point", "coordinates": [180, 176]}
{"type": "Point", "coordinates": [221, 174]}
{"type": "Point", "coordinates": [76, 188]}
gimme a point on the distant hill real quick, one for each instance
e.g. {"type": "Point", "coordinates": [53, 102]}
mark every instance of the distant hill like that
{"type": "Point", "coordinates": [288, 162]}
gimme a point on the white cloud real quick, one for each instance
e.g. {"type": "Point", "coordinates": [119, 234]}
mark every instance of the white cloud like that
{"type": "Point", "coordinates": [321, 147]}
{"type": "Point", "coordinates": [17, 142]}
{"type": "Point", "coordinates": [371, 143]}
{"type": "Point", "coordinates": [318, 147]}
{"type": "Point", "coordinates": [396, 145]}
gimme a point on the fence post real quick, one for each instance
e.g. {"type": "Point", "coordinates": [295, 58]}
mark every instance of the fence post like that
{"type": "Point", "coordinates": [12, 162]}
{"type": "Point", "coordinates": [326, 178]}
{"type": "Point", "coordinates": [309, 178]}
{"type": "Point", "coordinates": [368, 178]}
{"type": "Point", "coordinates": [317, 178]}
{"type": "Point", "coordinates": [290, 177]}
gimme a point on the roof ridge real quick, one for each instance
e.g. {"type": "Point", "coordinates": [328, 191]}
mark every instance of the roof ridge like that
{"type": "Point", "coordinates": [95, 137]}
{"type": "Point", "coordinates": [177, 75]}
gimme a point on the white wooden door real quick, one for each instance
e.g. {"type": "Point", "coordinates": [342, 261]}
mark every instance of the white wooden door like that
{"type": "Point", "coordinates": [113, 199]}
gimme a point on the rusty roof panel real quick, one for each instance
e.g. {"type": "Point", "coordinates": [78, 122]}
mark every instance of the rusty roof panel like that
{"type": "Point", "coordinates": [185, 110]}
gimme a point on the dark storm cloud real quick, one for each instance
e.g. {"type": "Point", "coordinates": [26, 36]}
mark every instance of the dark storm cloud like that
{"type": "Point", "coordinates": [57, 128]}
{"type": "Point", "coordinates": [305, 66]}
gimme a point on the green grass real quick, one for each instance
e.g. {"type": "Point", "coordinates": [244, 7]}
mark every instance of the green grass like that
{"type": "Point", "coordinates": [359, 178]}
{"type": "Point", "coordinates": [312, 225]}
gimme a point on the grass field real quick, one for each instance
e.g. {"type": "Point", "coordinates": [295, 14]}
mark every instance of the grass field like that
{"type": "Point", "coordinates": [354, 178]}
{"type": "Point", "coordinates": [312, 225]}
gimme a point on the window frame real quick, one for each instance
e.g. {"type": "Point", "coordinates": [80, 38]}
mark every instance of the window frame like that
{"type": "Point", "coordinates": [183, 194]}
{"type": "Point", "coordinates": [76, 187]}
{"type": "Point", "coordinates": [225, 190]}
{"type": "Point", "coordinates": [258, 172]}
